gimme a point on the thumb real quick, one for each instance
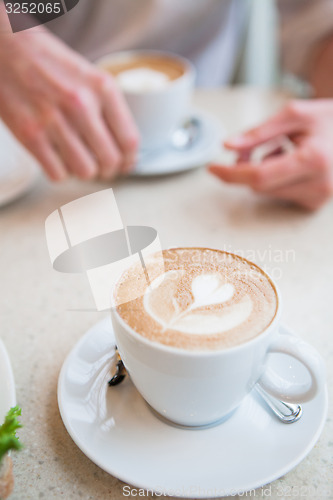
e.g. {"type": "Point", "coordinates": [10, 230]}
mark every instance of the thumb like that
{"type": "Point", "coordinates": [286, 122]}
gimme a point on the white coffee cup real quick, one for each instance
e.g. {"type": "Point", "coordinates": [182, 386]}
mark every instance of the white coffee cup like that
{"type": "Point", "coordinates": [196, 388]}
{"type": "Point", "coordinates": [157, 112]}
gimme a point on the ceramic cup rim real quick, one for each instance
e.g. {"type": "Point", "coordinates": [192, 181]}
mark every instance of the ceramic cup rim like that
{"type": "Point", "coordinates": [189, 69]}
{"type": "Point", "coordinates": [177, 351]}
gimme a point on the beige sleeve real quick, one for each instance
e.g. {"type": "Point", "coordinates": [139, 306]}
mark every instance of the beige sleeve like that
{"type": "Point", "coordinates": [303, 23]}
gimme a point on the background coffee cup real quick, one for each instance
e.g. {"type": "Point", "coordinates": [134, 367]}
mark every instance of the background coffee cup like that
{"type": "Point", "coordinates": [156, 112]}
{"type": "Point", "coordinates": [196, 388]}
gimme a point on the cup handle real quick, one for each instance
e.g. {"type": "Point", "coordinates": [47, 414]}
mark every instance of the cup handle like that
{"type": "Point", "coordinates": [284, 389]}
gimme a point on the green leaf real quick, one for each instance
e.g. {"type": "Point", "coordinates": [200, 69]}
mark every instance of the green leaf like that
{"type": "Point", "coordinates": [8, 438]}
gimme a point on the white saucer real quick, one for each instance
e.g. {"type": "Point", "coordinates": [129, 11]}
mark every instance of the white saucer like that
{"type": "Point", "coordinates": [18, 169]}
{"type": "Point", "coordinates": [7, 384]}
{"type": "Point", "coordinates": [116, 429]}
{"type": "Point", "coordinates": [169, 160]}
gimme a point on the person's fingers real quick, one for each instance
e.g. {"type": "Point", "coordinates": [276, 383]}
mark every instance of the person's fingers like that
{"type": "Point", "coordinates": [50, 161]}
{"type": "Point", "coordinates": [243, 156]}
{"type": "Point", "coordinates": [73, 152]}
{"type": "Point", "coordinates": [37, 142]}
{"type": "Point", "coordinates": [83, 112]}
{"type": "Point", "coordinates": [18, 117]}
{"type": "Point", "coordinates": [120, 123]}
{"type": "Point", "coordinates": [269, 174]}
{"type": "Point", "coordinates": [100, 141]}
{"type": "Point", "coordinates": [292, 119]}
{"type": "Point", "coordinates": [310, 194]}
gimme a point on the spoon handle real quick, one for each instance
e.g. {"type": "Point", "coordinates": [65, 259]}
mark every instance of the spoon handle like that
{"type": "Point", "coordinates": [288, 413]}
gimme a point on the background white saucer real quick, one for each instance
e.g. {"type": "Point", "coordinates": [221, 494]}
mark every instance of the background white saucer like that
{"type": "Point", "coordinates": [115, 428]}
{"type": "Point", "coordinates": [7, 384]}
{"type": "Point", "coordinates": [18, 169]}
{"type": "Point", "coordinates": [169, 160]}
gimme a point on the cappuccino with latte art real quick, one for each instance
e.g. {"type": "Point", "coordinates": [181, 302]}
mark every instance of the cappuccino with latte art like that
{"type": "Point", "coordinates": [202, 299]}
{"type": "Point", "coordinates": [197, 338]}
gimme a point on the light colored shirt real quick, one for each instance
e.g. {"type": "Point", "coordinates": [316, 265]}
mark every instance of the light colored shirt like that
{"type": "Point", "coordinates": [213, 34]}
{"type": "Point", "coordinates": [208, 32]}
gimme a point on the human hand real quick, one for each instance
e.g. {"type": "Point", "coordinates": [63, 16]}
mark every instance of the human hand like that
{"type": "Point", "coordinates": [66, 112]}
{"type": "Point", "coordinates": [303, 176]}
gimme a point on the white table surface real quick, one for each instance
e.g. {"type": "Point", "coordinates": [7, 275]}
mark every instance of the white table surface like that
{"type": "Point", "coordinates": [187, 209]}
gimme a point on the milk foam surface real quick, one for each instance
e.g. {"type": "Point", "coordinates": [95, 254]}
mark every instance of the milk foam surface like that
{"type": "Point", "coordinates": [202, 300]}
{"type": "Point", "coordinates": [142, 80]}
{"type": "Point", "coordinates": [145, 72]}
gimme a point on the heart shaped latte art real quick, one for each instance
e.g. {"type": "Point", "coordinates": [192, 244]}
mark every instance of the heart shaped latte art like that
{"type": "Point", "coordinates": [196, 315]}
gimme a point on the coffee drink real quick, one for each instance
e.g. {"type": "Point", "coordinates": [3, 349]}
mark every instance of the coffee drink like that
{"type": "Point", "coordinates": [201, 299]}
{"type": "Point", "coordinates": [197, 338]}
{"type": "Point", "coordinates": [157, 87]}
{"type": "Point", "coordinates": [145, 72]}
